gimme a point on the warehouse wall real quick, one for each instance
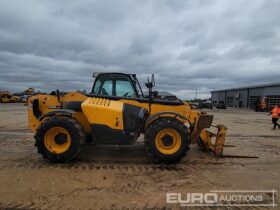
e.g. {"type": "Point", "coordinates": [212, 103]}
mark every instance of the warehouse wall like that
{"type": "Point", "coordinates": [256, 92]}
{"type": "Point", "coordinates": [240, 97]}
{"type": "Point", "coordinates": [271, 91]}
{"type": "Point", "coordinates": [255, 95]}
{"type": "Point", "coordinates": [217, 96]}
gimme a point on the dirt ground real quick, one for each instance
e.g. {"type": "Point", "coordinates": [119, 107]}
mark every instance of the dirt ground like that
{"type": "Point", "coordinates": [113, 177]}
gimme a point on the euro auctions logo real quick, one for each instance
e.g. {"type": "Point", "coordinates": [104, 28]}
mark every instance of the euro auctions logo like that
{"type": "Point", "coordinates": [265, 198]}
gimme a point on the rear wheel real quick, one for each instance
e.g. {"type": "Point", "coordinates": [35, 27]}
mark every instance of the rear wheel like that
{"type": "Point", "coordinates": [59, 139]}
{"type": "Point", "coordinates": [167, 140]}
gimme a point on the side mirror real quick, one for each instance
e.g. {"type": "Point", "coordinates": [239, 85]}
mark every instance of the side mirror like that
{"type": "Point", "coordinates": [150, 84]}
{"type": "Point", "coordinates": [153, 80]}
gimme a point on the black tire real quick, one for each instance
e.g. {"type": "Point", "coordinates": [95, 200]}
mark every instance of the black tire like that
{"type": "Point", "coordinates": [155, 128]}
{"type": "Point", "coordinates": [75, 131]}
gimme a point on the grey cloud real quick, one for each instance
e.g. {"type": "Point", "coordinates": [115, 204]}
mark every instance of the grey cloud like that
{"type": "Point", "coordinates": [207, 44]}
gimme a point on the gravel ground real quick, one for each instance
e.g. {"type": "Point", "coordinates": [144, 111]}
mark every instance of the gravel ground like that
{"type": "Point", "coordinates": [123, 177]}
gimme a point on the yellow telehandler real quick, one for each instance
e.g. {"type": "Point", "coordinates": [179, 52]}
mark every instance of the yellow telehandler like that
{"type": "Point", "coordinates": [117, 112]}
{"type": "Point", "coordinates": [7, 97]}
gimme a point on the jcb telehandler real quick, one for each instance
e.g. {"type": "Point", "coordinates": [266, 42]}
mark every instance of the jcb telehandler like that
{"type": "Point", "coordinates": [117, 112]}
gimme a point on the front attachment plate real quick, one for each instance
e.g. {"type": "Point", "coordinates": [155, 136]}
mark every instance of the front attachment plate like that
{"type": "Point", "coordinates": [205, 121]}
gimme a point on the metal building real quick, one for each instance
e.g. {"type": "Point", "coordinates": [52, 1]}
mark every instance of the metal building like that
{"type": "Point", "coordinates": [247, 96]}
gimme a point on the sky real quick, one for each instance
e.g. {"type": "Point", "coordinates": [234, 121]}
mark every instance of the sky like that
{"type": "Point", "coordinates": [188, 44]}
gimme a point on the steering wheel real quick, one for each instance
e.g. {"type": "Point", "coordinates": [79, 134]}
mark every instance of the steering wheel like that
{"type": "Point", "coordinates": [104, 92]}
{"type": "Point", "coordinates": [126, 94]}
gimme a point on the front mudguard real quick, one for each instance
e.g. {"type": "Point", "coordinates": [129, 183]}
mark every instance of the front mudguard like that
{"type": "Point", "coordinates": [158, 115]}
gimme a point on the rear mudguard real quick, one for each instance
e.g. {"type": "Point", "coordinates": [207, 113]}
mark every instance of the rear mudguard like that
{"type": "Point", "coordinates": [43, 106]}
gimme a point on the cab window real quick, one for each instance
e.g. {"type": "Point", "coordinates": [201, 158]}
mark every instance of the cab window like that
{"type": "Point", "coordinates": [107, 88]}
{"type": "Point", "coordinates": [124, 88]}
{"type": "Point", "coordinates": [117, 85]}
{"type": "Point", "coordinates": [97, 87]}
{"type": "Point", "coordinates": [103, 87]}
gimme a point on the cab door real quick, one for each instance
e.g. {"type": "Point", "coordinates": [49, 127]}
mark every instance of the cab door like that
{"type": "Point", "coordinates": [115, 88]}
{"type": "Point", "coordinates": [124, 87]}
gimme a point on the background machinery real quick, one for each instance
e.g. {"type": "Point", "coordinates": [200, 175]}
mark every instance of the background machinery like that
{"type": "Point", "coordinates": [7, 97]}
{"type": "Point", "coordinates": [117, 112]}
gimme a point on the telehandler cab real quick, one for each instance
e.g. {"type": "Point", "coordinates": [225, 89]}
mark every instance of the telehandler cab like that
{"type": "Point", "coordinates": [117, 112]}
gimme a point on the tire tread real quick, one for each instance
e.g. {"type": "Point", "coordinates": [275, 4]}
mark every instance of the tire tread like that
{"type": "Point", "coordinates": [151, 133]}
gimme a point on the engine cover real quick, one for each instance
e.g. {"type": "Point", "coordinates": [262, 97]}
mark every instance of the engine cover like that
{"type": "Point", "coordinates": [113, 122]}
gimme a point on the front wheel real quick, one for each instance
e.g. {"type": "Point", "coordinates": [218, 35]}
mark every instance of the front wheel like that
{"type": "Point", "coordinates": [59, 139]}
{"type": "Point", "coordinates": [167, 140]}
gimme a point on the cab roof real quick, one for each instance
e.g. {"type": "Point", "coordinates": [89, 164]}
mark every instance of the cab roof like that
{"type": "Point", "coordinates": [96, 74]}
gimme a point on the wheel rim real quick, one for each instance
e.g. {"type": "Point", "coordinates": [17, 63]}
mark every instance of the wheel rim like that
{"type": "Point", "coordinates": [57, 140]}
{"type": "Point", "coordinates": [168, 141]}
